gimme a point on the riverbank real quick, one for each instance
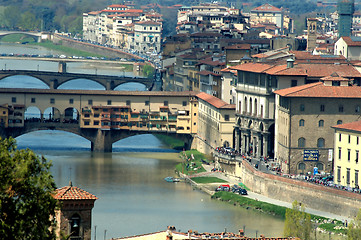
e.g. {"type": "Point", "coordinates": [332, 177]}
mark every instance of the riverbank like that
{"type": "Point", "coordinates": [326, 222]}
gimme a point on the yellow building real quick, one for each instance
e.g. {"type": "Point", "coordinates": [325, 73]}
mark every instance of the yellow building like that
{"type": "Point", "coordinates": [4, 116]}
{"type": "Point", "coordinates": [347, 153]}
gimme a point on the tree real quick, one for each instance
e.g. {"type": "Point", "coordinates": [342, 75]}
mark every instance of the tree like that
{"type": "Point", "coordinates": [354, 228]}
{"type": "Point", "coordinates": [297, 223]}
{"type": "Point", "coordinates": [26, 200]}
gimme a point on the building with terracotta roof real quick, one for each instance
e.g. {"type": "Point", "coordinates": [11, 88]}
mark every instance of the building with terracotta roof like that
{"type": "Point", "coordinates": [255, 100]}
{"type": "Point", "coordinates": [74, 217]}
{"type": "Point", "coordinates": [215, 123]}
{"type": "Point", "coordinates": [347, 154]}
{"type": "Point", "coordinates": [267, 13]}
{"type": "Point", "coordinates": [303, 120]}
{"type": "Point", "coordinates": [147, 37]}
{"type": "Point", "coordinates": [349, 47]}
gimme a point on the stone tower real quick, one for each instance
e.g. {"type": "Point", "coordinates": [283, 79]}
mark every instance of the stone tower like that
{"type": "Point", "coordinates": [75, 214]}
{"type": "Point", "coordinates": [345, 9]}
{"type": "Point", "coordinates": [311, 33]}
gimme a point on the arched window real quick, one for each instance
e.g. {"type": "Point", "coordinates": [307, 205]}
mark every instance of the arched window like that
{"type": "Point", "coordinates": [245, 104]}
{"type": "Point", "coordinates": [240, 107]}
{"type": "Point", "coordinates": [250, 106]}
{"type": "Point", "coordinates": [321, 123]}
{"type": "Point", "coordinates": [75, 225]}
{"type": "Point", "coordinates": [301, 166]}
{"type": "Point", "coordinates": [301, 142]}
{"type": "Point", "coordinates": [255, 107]}
{"type": "Point", "coordinates": [320, 142]}
{"type": "Point", "coordinates": [320, 166]}
{"type": "Point", "coordinates": [301, 123]}
{"type": "Point", "coordinates": [339, 122]}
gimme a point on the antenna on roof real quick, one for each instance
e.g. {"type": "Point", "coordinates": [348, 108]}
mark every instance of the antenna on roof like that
{"type": "Point", "coordinates": [70, 183]}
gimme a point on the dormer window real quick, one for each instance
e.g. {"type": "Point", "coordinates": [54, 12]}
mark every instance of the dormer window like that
{"type": "Point", "coordinates": [336, 83]}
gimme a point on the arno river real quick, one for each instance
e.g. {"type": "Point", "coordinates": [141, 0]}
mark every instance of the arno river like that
{"type": "Point", "coordinates": [133, 197]}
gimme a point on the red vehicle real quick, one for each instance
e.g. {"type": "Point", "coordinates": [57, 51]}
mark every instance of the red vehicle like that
{"type": "Point", "coordinates": [223, 187]}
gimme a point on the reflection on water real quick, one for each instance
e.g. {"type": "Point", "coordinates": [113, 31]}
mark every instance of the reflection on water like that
{"type": "Point", "coordinates": [133, 197]}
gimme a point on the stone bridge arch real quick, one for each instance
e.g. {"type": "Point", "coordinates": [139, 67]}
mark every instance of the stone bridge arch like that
{"type": "Point", "coordinates": [33, 35]}
{"type": "Point", "coordinates": [101, 141]}
{"type": "Point", "coordinates": [10, 73]}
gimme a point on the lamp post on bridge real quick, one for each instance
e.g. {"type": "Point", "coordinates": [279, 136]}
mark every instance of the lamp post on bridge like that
{"type": "Point", "coordinates": [5, 66]}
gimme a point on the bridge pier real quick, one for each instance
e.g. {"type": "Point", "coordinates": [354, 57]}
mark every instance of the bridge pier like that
{"type": "Point", "coordinates": [54, 84]}
{"type": "Point", "coordinates": [103, 142]}
{"type": "Point", "coordinates": [110, 85]}
{"type": "Point", "coordinates": [62, 67]}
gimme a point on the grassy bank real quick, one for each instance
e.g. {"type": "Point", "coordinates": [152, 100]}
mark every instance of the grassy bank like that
{"type": "Point", "coordinates": [171, 142]}
{"type": "Point", "coordinates": [191, 165]}
{"type": "Point", "coordinates": [324, 224]}
{"type": "Point", "coordinates": [67, 50]}
{"type": "Point", "coordinates": [203, 180]}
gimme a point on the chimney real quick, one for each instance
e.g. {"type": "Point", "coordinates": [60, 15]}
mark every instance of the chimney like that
{"type": "Point", "coordinates": [290, 63]}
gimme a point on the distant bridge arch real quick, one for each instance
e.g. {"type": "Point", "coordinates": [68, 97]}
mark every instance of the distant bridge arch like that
{"type": "Point", "coordinates": [55, 79]}
{"type": "Point", "coordinates": [35, 35]}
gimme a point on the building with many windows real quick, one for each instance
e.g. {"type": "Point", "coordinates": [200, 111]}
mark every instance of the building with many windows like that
{"type": "Point", "coordinates": [147, 37]}
{"type": "Point", "coordinates": [347, 154]}
{"type": "Point", "coordinates": [304, 117]}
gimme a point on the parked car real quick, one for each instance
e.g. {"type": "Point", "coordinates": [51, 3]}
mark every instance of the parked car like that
{"type": "Point", "coordinates": [223, 187]}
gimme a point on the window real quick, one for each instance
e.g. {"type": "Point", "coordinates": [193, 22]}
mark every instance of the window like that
{"type": "Point", "coordinates": [109, 102]}
{"type": "Point", "coordinates": [127, 103]}
{"type": "Point", "coordinates": [319, 166]}
{"type": "Point", "coordinates": [90, 102]}
{"type": "Point", "coordinates": [338, 174]}
{"type": "Point", "coordinates": [13, 99]}
{"type": "Point", "coordinates": [293, 83]}
{"type": "Point", "coordinates": [87, 115]}
{"type": "Point", "coordinates": [75, 225]}
{"type": "Point", "coordinates": [301, 166]}
{"type": "Point", "coordinates": [301, 123]}
{"type": "Point", "coordinates": [340, 108]}
{"type": "Point", "coordinates": [348, 176]}
{"type": "Point", "coordinates": [348, 154]}
{"type": "Point", "coordinates": [86, 123]}
{"type": "Point", "coordinates": [320, 142]}
{"type": "Point", "coordinates": [357, 109]}
{"type": "Point", "coordinates": [322, 108]}
{"type": "Point", "coordinates": [144, 39]}
{"type": "Point", "coordinates": [96, 122]}
{"type": "Point", "coordinates": [33, 100]}
{"type": "Point", "coordinates": [96, 115]}
{"type": "Point", "coordinates": [356, 159]}
{"type": "Point", "coordinates": [349, 139]}
{"type": "Point", "coordinates": [356, 178]}
{"type": "Point", "coordinates": [302, 107]}
{"type": "Point", "coordinates": [339, 153]}
{"type": "Point", "coordinates": [357, 140]}
{"type": "Point", "coordinates": [301, 142]}
{"type": "Point", "coordinates": [184, 103]}
{"type": "Point", "coordinates": [339, 137]}
{"type": "Point", "coordinates": [71, 101]}
{"type": "Point", "coordinates": [165, 103]}
{"type": "Point", "coordinates": [339, 122]}
{"type": "Point", "coordinates": [146, 103]}
{"type": "Point", "coordinates": [52, 100]}
{"type": "Point", "coordinates": [226, 117]}
{"type": "Point", "coordinates": [321, 123]}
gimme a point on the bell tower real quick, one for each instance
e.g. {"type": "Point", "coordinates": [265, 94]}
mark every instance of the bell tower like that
{"type": "Point", "coordinates": [75, 214]}
{"type": "Point", "coordinates": [311, 33]}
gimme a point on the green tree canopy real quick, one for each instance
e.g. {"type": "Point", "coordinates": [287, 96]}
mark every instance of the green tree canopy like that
{"type": "Point", "coordinates": [297, 223]}
{"type": "Point", "coordinates": [26, 201]}
{"type": "Point", "coordinates": [354, 228]}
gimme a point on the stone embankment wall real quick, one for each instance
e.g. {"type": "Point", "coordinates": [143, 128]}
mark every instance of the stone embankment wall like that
{"type": "Point", "coordinates": [314, 196]}
{"type": "Point", "coordinates": [109, 52]}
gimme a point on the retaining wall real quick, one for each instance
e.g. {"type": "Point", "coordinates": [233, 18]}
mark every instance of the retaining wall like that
{"type": "Point", "coordinates": [314, 196]}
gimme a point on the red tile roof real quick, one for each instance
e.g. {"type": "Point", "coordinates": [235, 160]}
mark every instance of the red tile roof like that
{"type": "Point", "coordinates": [73, 193]}
{"type": "Point", "coordinates": [252, 67]}
{"type": "Point", "coordinates": [266, 8]}
{"type": "Point", "coordinates": [148, 23]}
{"type": "Point", "coordinates": [334, 77]}
{"type": "Point", "coordinates": [351, 43]}
{"type": "Point", "coordinates": [319, 90]}
{"type": "Point", "coordinates": [216, 102]}
{"type": "Point", "coordinates": [352, 126]}
{"type": "Point", "coordinates": [245, 46]}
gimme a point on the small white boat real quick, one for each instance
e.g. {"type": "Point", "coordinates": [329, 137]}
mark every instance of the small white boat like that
{"type": "Point", "coordinates": [172, 179]}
